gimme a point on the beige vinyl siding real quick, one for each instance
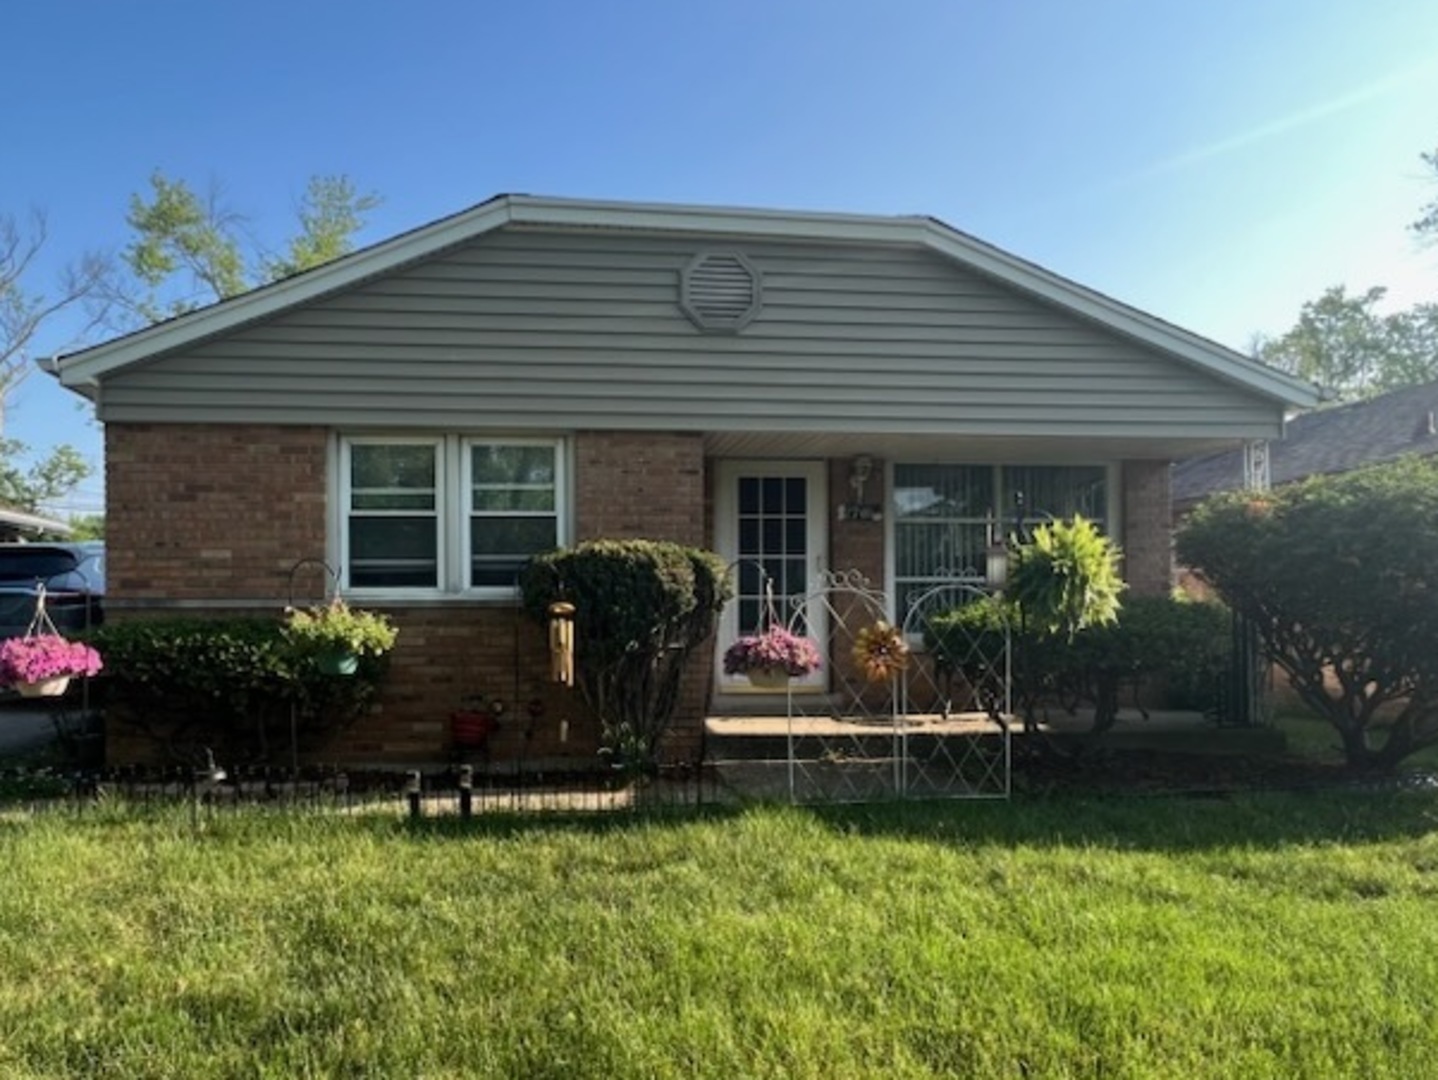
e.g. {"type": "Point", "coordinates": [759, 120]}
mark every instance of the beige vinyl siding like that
{"type": "Point", "coordinates": [538, 330]}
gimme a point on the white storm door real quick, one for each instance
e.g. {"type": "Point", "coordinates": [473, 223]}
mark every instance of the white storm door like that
{"type": "Point", "coordinates": [771, 527]}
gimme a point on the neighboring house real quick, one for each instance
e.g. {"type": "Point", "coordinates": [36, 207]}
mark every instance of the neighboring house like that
{"type": "Point", "coordinates": [798, 391]}
{"type": "Point", "coordinates": [1332, 440]}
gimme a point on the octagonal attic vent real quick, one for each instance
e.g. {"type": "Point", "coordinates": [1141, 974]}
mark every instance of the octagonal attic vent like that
{"type": "Point", "coordinates": [720, 291]}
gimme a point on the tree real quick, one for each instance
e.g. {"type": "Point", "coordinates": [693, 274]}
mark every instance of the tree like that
{"type": "Point", "coordinates": [87, 526]}
{"type": "Point", "coordinates": [1426, 227]}
{"type": "Point", "coordinates": [189, 251]}
{"type": "Point", "coordinates": [1341, 342]}
{"type": "Point", "coordinates": [44, 481]}
{"type": "Point", "coordinates": [1338, 575]}
{"type": "Point", "coordinates": [24, 311]}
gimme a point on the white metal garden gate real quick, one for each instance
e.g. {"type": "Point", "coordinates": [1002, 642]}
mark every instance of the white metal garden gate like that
{"type": "Point", "coordinates": [938, 727]}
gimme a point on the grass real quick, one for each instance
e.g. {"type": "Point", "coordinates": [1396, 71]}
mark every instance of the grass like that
{"type": "Point", "coordinates": [1256, 936]}
{"type": "Point", "coordinates": [1312, 738]}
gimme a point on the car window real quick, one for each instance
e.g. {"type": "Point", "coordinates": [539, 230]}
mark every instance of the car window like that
{"type": "Point", "coordinates": [24, 568]}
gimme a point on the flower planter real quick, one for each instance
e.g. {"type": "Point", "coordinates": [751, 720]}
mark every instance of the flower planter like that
{"type": "Point", "coordinates": [471, 729]}
{"type": "Point", "coordinates": [44, 688]}
{"type": "Point", "coordinates": [768, 678]}
{"type": "Point", "coordinates": [337, 663]}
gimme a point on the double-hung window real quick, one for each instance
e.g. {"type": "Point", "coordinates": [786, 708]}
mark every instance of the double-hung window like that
{"type": "Point", "coordinates": [512, 508]}
{"type": "Point", "coordinates": [446, 514]}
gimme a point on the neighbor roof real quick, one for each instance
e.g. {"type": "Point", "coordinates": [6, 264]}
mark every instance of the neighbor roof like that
{"type": "Point", "coordinates": [1328, 441]}
{"type": "Point", "coordinates": [83, 370]}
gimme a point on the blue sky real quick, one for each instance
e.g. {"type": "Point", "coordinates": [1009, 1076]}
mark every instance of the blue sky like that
{"type": "Point", "coordinates": [1214, 163]}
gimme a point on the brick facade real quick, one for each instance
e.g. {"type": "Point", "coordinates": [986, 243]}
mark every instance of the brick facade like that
{"type": "Point", "coordinates": [205, 512]}
{"type": "Point", "coordinates": [647, 485]}
{"type": "Point", "coordinates": [653, 486]}
{"type": "Point", "coordinates": [218, 515]}
{"type": "Point", "coordinates": [1147, 528]}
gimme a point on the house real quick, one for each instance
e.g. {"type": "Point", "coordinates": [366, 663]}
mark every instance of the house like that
{"type": "Point", "coordinates": [799, 391]}
{"type": "Point", "coordinates": [1333, 440]}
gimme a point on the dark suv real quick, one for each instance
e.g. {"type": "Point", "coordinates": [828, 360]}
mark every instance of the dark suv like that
{"type": "Point", "coordinates": [74, 578]}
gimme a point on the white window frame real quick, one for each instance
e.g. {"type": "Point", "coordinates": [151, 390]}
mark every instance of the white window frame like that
{"type": "Point", "coordinates": [467, 512]}
{"type": "Point", "coordinates": [345, 509]}
{"type": "Point", "coordinates": [452, 508]}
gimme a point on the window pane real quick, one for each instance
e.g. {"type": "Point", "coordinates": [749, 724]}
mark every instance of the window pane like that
{"type": "Point", "coordinates": [496, 464]}
{"type": "Point", "coordinates": [392, 465]}
{"type": "Point", "coordinates": [1058, 491]}
{"type": "Point", "coordinates": [943, 491]}
{"type": "Point", "coordinates": [939, 549]}
{"type": "Point", "coordinates": [391, 500]}
{"type": "Point", "coordinates": [505, 499]}
{"type": "Point", "coordinates": [523, 536]}
{"type": "Point", "coordinates": [393, 552]}
{"type": "Point", "coordinates": [499, 546]}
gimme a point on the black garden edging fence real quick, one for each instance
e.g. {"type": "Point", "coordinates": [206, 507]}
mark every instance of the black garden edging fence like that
{"type": "Point", "coordinates": [445, 792]}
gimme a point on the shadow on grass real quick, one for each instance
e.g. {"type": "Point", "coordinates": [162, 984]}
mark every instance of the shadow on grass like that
{"type": "Point", "coordinates": [1157, 823]}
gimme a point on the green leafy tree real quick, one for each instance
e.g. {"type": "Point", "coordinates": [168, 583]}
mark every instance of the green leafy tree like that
{"type": "Point", "coordinates": [1343, 343]}
{"type": "Point", "coordinates": [87, 526]}
{"type": "Point", "coordinates": [46, 480]}
{"type": "Point", "coordinates": [1426, 227]}
{"type": "Point", "coordinates": [1339, 576]}
{"type": "Point", "coordinates": [191, 250]}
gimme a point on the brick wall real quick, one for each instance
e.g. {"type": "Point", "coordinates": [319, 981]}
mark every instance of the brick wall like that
{"type": "Point", "coordinates": [1147, 528]}
{"type": "Point", "coordinates": [640, 485]}
{"type": "Point", "coordinates": [221, 514]}
{"type": "Point", "coordinates": [195, 511]}
{"type": "Point", "coordinates": [855, 545]}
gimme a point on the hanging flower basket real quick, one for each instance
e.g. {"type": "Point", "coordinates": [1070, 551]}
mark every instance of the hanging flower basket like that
{"type": "Point", "coordinates": [337, 663]}
{"type": "Point", "coordinates": [44, 688]}
{"type": "Point", "coordinates": [770, 659]}
{"type": "Point", "coordinates": [42, 665]}
{"type": "Point", "coordinates": [768, 678]}
{"type": "Point", "coordinates": [334, 636]}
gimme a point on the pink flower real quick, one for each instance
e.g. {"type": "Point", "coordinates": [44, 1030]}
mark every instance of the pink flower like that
{"type": "Point", "coordinates": [45, 656]}
{"type": "Point", "coordinates": [774, 648]}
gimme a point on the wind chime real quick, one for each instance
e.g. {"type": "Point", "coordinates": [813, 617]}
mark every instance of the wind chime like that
{"type": "Point", "coordinates": [561, 642]}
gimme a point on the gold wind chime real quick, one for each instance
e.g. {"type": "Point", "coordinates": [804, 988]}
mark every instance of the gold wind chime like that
{"type": "Point", "coordinates": [561, 642]}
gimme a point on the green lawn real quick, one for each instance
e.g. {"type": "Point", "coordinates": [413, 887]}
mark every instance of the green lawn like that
{"type": "Point", "coordinates": [1257, 936]}
{"type": "Point", "coordinates": [1310, 737]}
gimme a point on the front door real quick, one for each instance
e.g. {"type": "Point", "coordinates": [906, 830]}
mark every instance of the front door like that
{"type": "Point", "coordinates": [770, 525]}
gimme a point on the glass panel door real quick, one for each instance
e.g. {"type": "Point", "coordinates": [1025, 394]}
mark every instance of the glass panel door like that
{"type": "Point", "coordinates": [769, 522]}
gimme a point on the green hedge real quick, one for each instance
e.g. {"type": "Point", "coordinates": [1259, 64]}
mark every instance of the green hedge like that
{"type": "Point", "coordinates": [230, 684]}
{"type": "Point", "coordinates": [1178, 649]}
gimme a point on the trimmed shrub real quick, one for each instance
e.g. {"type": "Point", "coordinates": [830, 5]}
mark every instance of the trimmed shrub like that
{"type": "Point", "coordinates": [1339, 576]}
{"type": "Point", "coordinates": [641, 607]}
{"type": "Point", "coordinates": [1179, 647]}
{"type": "Point", "coordinates": [227, 684]}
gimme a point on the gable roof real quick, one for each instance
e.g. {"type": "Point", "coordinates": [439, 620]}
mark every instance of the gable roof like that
{"type": "Point", "coordinates": [83, 370]}
{"type": "Point", "coordinates": [1328, 441]}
